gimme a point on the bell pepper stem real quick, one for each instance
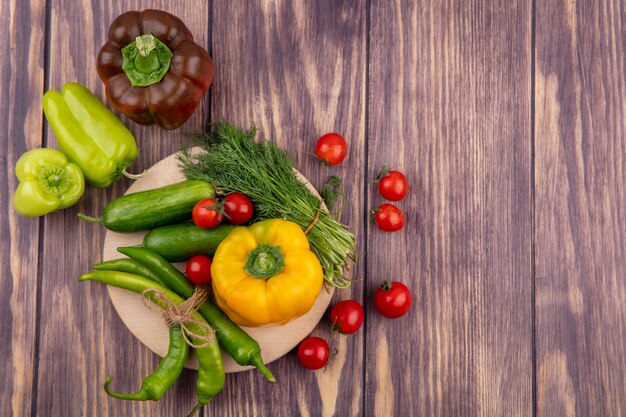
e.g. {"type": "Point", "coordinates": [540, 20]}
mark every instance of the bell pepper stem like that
{"type": "Point", "coordinates": [89, 218]}
{"type": "Point", "coordinates": [145, 44]}
{"type": "Point", "coordinates": [264, 261]}
{"type": "Point", "coordinates": [146, 60]}
{"type": "Point", "coordinates": [133, 176]}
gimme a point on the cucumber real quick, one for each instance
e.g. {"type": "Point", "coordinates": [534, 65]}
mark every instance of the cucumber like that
{"type": "Point", "coordinates": [153, 208]}
{"type": "Point", "coordinates": [179, 242]}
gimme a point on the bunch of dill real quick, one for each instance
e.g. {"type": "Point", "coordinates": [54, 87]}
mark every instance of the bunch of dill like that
{"type": "Point", "coordinates": [232, 161]}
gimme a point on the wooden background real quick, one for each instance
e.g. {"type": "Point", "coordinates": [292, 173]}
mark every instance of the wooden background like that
{"type": "Point", "coordinates": [507, 116]}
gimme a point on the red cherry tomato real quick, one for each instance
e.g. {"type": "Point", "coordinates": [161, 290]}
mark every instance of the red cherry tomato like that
{"type": "Point", "coordinates": [346, 316]}
{"type": "Point", "coordinates": [313, 353]}
{"type": "Point", "coordinates": [238, 208]}
{"type": "Point", "coordinates": [204, 216]}
{"type": "Point", "coordinates": [393, 185]}
{"type": "Point", "coordinates": [393, 299]}
{"type": "Point", "coordinates": [331, 148]}
{"type": "Point", "coordinates": [389, 218]}
{"type": "Point", "coordinates": [198, 269]}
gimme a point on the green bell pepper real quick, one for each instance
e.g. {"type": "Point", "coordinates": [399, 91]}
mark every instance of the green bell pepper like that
{"type": "Point", "coordinates": [90, 134]}
{"type": "Point", "coordinates": [48, 182]}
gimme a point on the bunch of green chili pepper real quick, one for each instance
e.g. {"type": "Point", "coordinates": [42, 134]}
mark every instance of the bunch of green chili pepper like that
{"type": "Point", "coordinates": [211, 374]}
{"type": "Point", "coordinates": [243, 348]}
{"type": "Point", "coordinates": [146, 272]}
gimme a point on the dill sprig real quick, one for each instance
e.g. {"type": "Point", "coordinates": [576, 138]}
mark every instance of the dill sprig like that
{"type": "Point", "coordinates": [232, 161]}
{"type": "Point", "coordinates": [332, 190]}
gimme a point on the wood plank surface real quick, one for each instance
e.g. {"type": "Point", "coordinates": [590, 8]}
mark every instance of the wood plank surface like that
{"type": "Point", "coordinates": [580, 150]}
{"type": "Point", "coordinates": [449, 103]}
{"type": "Point", "coordinates": [297, 71]}
{"type": "Point", "coordinates": [82, 341]}
{"type": "Point", "coordinates": [508, 119]}
{"type": "Point", "coordinates": [21, 86]}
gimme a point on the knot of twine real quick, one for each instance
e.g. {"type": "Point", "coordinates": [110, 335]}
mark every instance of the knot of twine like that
{"type": "Point", "coordinates": [182, 315]}
{"type": "Point", "coordinates": [315, 219]}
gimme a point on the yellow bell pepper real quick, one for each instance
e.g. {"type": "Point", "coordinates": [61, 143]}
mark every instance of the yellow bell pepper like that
{"type": "Point", "coordinates": [266, 273]}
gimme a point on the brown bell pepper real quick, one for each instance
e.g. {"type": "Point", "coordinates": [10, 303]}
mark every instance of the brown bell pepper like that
{"type": "Point", "coordinates": [152, 69]}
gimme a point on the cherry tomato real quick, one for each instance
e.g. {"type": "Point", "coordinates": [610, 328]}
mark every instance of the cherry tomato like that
{"type": "Point", "coordinates": [389, 218]}
{"type": "Point", "coordinates": [392, 299]}
{"type": "Point", "coordinates": [198, 269]}
{"type": "Point", "coordinates": [238, 208]}
{"type": "Point", "coordinates": [346, 316]}
{"type": "Point", "coordinates": [331, 148]}
{"type": "Point", "coordinates": [313, 353]}
{"type": "Point", "coordinates": [206, 217]}
{"type": "Point", "coordinates": [393, 185]}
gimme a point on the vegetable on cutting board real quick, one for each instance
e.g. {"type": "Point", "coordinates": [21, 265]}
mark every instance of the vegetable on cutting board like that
{"type": "Point", "coordinates": [153, 208]}
{"type": "Point", "coordinates": [131, 266]}
{"type": "Point", "coordinates": [207, 214]}
{"type": "Point", "coordinates": [198, 270]}
{"type": "Point", "coordinates": [48, 182]}
{"type": "Point", "coordinates": [211, 375]}
{"type": "Point", "coordinates": [152, 69]}
{"type": "Point", "coordinates": [179, 242]}
{"type": "Point", "coordinates": [89, 134]}
{"type": "Point", "coordinates": [231, 160]}
{"type": "Point", "coordinates": [238, 209]}
{"type": "Point", "coordinates": [265, 273]}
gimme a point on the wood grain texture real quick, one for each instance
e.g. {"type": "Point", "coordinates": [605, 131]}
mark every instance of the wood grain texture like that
{"type": "Point", "coordinates": [449, 104]}
{"type": "Point", "coordinates": [297, 71]}
{"type": "Point", "coordinates": [82, 341]}
{"type": "Point", "coordinates": [439, 89]}
{"type": "Point", "coordinates": [21, 86]}
{"type": "Point", "coordinates": [580, 208]}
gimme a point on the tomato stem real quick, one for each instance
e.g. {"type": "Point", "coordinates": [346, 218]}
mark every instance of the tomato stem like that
{"type": "Point", "coordinates": [335, 326]}
{"type": "Point", "coordinates": [219, 207]}
{"type": "Point", "coordinates": [386, 285]}
{"type": "Point", "coordinates": [382, 174]}
{"type": "Point", "coordinates": [332, 355]}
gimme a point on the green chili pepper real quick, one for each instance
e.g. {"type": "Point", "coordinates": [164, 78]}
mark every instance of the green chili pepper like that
{"type": "Point", "coordinates": [48, 182]}
{"type": "Point", "coordinates": [211, 375]}
{"type": "Point", "coordinates": [89, 134]}
{"type": "Point", "coordinates": [131, 266]}
{"type": "Point", "coordinates": [243, 348]}
{"type": "Point", "coordinates": [155, 385]}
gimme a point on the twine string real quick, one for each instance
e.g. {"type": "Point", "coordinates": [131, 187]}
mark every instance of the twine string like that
{"type": "Point", "coordinates": [182, 315]}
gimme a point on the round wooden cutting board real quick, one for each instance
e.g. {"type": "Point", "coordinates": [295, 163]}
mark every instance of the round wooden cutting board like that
{"type": "Point", "coordinates": [148, 325]}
